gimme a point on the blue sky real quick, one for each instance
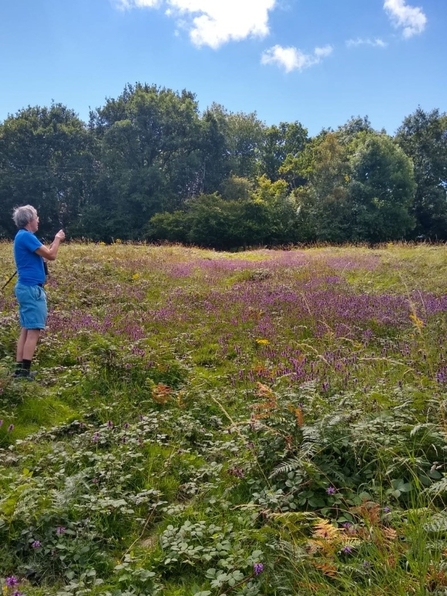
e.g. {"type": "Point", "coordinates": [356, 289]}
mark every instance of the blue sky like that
{"type": "Point", "coordinates": [317, 62]}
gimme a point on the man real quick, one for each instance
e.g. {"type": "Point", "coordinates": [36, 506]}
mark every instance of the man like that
{"type": "Point", "coordinates": [29, 255]}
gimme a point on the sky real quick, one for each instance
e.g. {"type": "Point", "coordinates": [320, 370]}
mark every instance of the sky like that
{"type": "Point", "coordinates": [316, 62]}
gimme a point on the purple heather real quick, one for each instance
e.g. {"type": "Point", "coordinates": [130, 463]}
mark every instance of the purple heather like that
{"type": "Point", "coordinates": [258, 568]}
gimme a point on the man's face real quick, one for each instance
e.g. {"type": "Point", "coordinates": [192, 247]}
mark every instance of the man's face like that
{"type": "Point", "coordinates": [34, 224]}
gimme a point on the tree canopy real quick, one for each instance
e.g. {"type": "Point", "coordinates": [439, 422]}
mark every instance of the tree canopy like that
{"type": "Point", "coordinates": [150, 166]}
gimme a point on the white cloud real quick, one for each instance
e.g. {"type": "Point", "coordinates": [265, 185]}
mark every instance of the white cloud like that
{"type": "Point", "coordinates": [411, 19]}
{"type": "Point", "coordinates": [293, 59]}
{"type": "Point", "coordinates": [214, 22]}
{"type": "Point", "coordinates": [376, 43]}
{"type": "Point", "coordinates": [137, 3]}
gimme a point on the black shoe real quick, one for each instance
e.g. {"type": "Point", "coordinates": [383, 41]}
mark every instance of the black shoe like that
{"type": "Point", "coordinates": [21, 373]}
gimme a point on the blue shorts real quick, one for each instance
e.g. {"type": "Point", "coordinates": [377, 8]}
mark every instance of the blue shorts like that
{"type": "Point", "coordinates": [32, 306]}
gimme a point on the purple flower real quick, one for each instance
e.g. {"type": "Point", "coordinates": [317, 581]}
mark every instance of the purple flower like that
{"type": "Point", "coordinates": [386, 509]}
{"type": "Point", "coordinates": [17, 593]}
{"type": "Point", "coordinates": [331, 490]}
{"type": "Point", "coordinates": [36, 544]}
{"type": "Point", "coordinates": [11, 581]}
{"type": "Point", "coordinates": [1, 423]}
{"type": "Point", "coordinates": [95, 438]}
{"type": "Point", "coordinates": [10, 428]}
{"type": "Point", "coordinates": [347, 550]}
{"type": "Point", "coordinates": [236, 471]}
{"type": "Point", "coordinates": [60, 530]}
{"type": "Point", "coordinates": [109, 423]}
{"type": "Point", "coordinates": [258, 568]}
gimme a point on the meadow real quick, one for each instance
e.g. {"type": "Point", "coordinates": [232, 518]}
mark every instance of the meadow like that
{"type": "Point", "coordinates": [268, 422]}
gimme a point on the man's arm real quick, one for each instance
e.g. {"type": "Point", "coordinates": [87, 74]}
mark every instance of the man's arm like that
{"type": "Point", "coordinates": [50, 253]}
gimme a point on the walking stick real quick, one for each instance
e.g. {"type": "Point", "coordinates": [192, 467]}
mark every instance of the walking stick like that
{"type": "Point", "coordinates": [9, 280]}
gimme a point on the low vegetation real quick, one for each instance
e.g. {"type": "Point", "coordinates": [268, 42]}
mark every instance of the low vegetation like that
{"type": "Point", "coordinates": [254, 423]}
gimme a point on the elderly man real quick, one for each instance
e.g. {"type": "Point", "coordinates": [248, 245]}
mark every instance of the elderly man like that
{"type": "Point", "coordinates": [29, 255]}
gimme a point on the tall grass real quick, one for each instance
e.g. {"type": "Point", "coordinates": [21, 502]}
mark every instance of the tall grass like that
{"type": "Point", "coordinates": [266, 422]}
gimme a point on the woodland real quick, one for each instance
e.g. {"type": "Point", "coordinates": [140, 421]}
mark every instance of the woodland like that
{"type": "Point", "coordinates": [149, 166]}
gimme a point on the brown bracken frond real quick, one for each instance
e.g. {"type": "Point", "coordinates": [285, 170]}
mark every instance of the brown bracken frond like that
{"type": "Point", "coordinates": [368, 511]}
{"type": "Point", "coordinates": [161, 393]}
{"type": "Point", "coordinates": [299, 416]}
{"type": "Point", "coordinates": [327, 568]}
{"type": "Point", "coordinates": [264, 391]}
{"type": "Point", "coordinates": [324, 529]}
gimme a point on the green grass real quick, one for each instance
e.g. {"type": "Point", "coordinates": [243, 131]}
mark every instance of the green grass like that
{"type": "Point", "coordinates": [264, 422]}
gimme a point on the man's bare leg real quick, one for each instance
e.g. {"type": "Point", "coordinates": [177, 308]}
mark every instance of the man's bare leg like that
{"type": "Point", "coordinates": [26, 346]}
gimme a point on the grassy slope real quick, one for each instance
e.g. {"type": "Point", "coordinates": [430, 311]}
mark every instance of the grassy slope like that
{"type": "Point", "coordinates": [267, 422]}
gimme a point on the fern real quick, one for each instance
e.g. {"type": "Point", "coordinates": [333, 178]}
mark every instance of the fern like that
{"type": "Point", "coordinates": [437, 524]}
{"type": "Point", "coordinates": [438, 488]}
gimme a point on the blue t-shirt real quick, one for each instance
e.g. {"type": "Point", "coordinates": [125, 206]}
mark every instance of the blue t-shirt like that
{"type": "Point", "coordinates": [29, 264]}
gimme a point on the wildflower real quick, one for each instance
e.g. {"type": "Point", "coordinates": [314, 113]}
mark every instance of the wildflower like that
{"type": "Point", "coordinates": [109, 423]}
{"type": "Point", "coordinates": [18, 593]}
{"type": "Point", "coordinates": [95, 437]}
{"type": "Point", "coordinates": [258, 568]}
{"type": "Point", "coordinates": [1, 423]}
{"type": "Point", "coordinates": [60, 530]}
{"type": "Point", "coordinates": [236, 471]}
{"type": "Point", "coordinates": [347, 550]}
{"type": "Point", "coordinates": [262, 342]}
{"type": "Point", "coordinates": [331, 490]}
{"type": "Point", "coordinates": [386, 509]}
{"type": "Point", "coordinates": [418, 323]}
{"type": "Point", "coordinates": [36, 544]}
{"type": "Point", "coordinates": [10, 428]}
{"type": "Point", "coordinates": [11, 581]}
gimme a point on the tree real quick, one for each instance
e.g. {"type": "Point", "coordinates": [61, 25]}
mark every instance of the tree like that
{"type": "Point", "coordinates": [285, 141]}
{"type": "Point", "coordinates": [360, 190]}
{"type": "Point", "coordinates": [216, 163]}
{"type": "Point", "coordinates": [324, 208]}
{"type": "Point", "coordinates": [355, 125]}
{"type": "Point", "coordinates": [245, 134]}
{"type": "Point", "coordinates": [46, 160]}
{"type": "Point", "coordinates": [423, 137]}
{"type": "Point", "coordinates": [150, 141]}
{"type": "Point", "coordinates": [381, 189]}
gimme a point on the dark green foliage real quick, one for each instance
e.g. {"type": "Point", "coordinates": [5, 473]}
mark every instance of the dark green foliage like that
{"type": "Point", "coordinates": [150, 143]}
{"type": "Point", "coordinates": [213, 221]}
{"type": "Point", "coordinates": [381, 191]}
{"type": "Point", "coordinates": [46, 160]}
{"type": "Point", "coordinates": [142, 166]}
{"type": "Point", "coordinates": [423, 137]}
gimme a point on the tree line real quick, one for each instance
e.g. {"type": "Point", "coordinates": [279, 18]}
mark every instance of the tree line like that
{"type": "Point", "coordinates": [149, 166]}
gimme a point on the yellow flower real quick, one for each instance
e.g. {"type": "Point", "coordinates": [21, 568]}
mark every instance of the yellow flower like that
{"type": "Point", "coordinates": [419, 323]}
{"type": "Point", "coordinates": [136, 276]}
{"type": "Point", "coordinates": [262, 342]}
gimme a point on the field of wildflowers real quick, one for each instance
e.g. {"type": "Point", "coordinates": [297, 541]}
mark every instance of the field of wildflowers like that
{"type": "Point", "coordinates": [255, 423]}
